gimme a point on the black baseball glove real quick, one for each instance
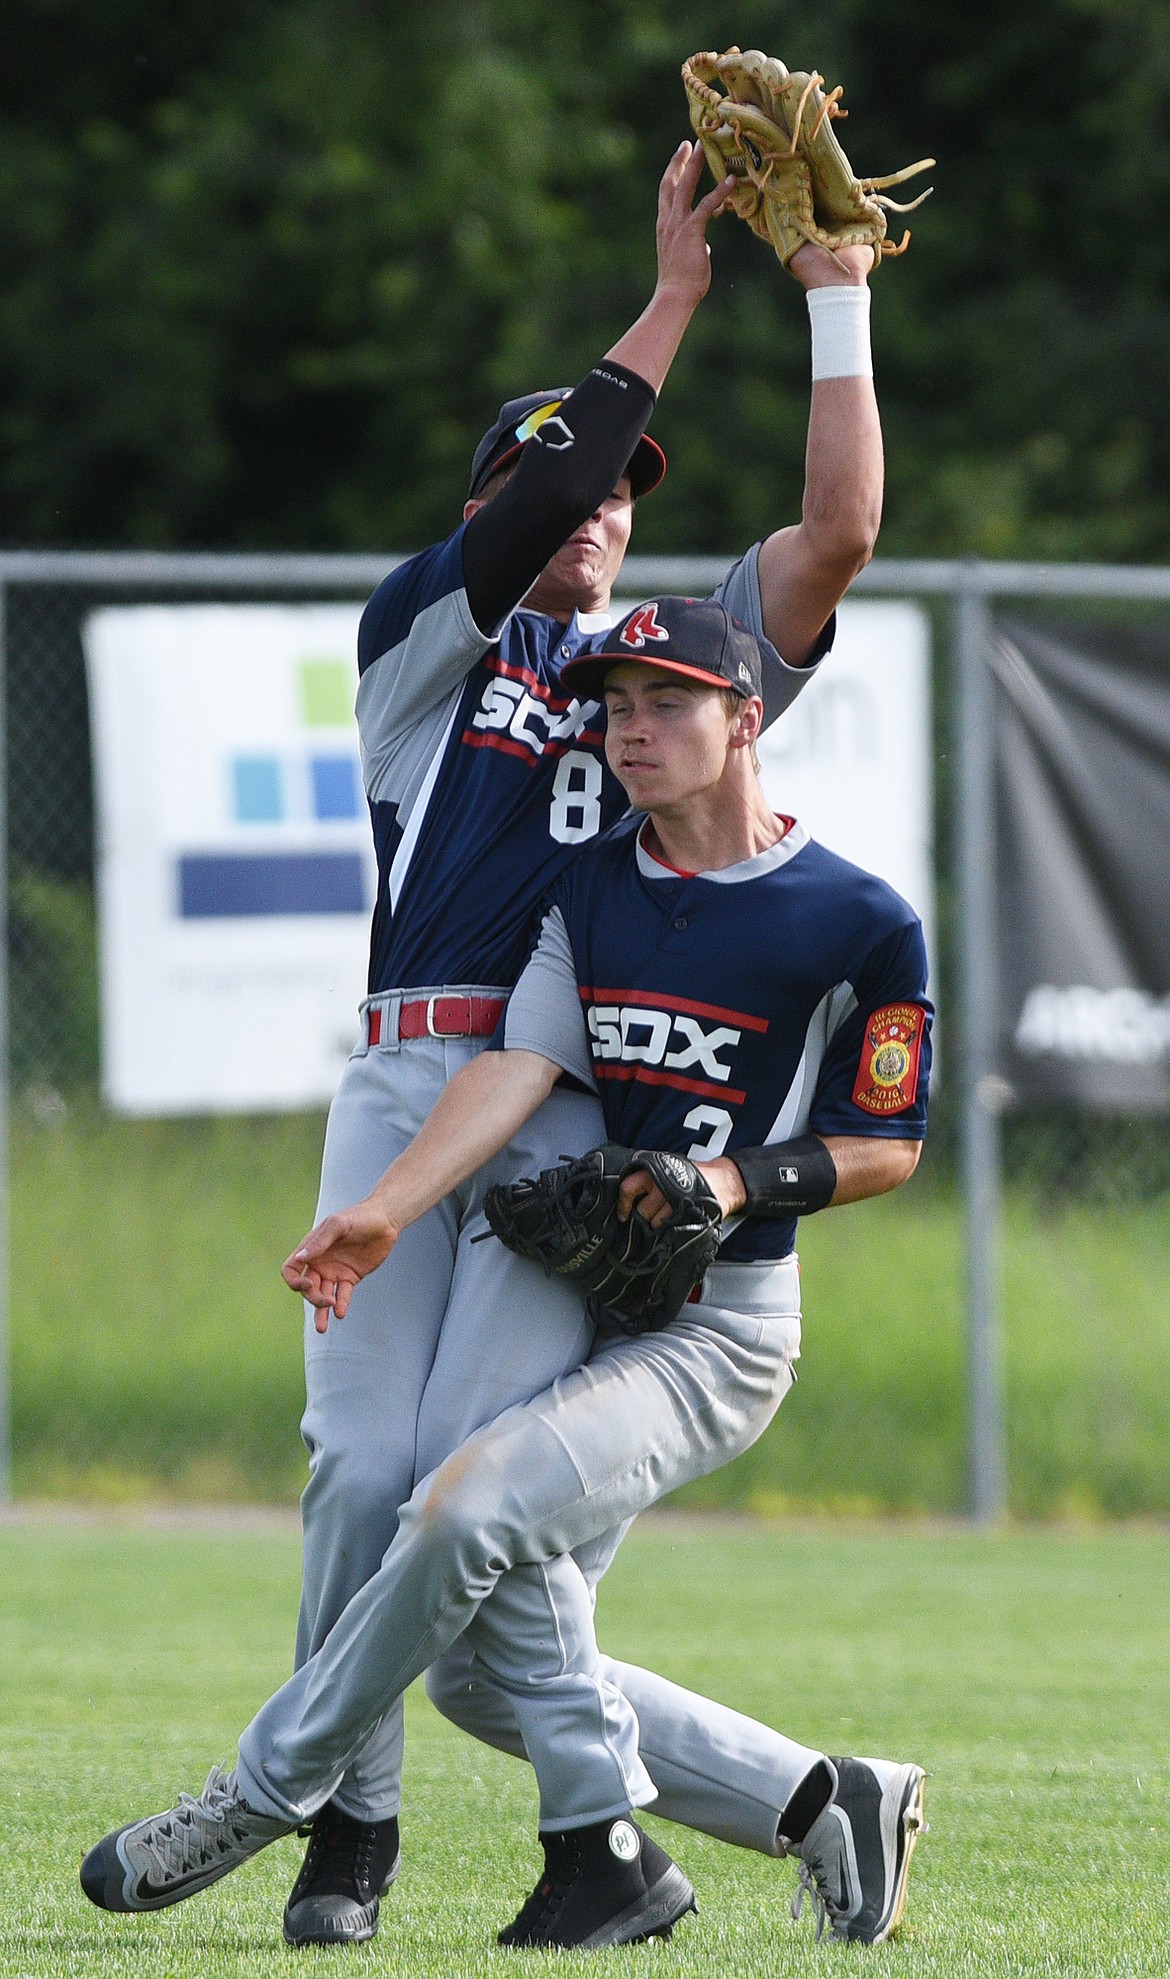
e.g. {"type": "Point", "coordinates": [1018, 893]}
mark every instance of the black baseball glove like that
{"type": "Point", "coordinates": [634, 1277]}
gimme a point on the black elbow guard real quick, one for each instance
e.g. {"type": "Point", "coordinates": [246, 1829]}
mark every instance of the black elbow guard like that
{"type": "Point", "coordinates": [790, 1178]}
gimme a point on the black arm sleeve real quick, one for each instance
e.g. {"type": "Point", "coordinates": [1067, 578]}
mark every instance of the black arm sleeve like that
{"type": "Point", "coordinates": [556, 486]}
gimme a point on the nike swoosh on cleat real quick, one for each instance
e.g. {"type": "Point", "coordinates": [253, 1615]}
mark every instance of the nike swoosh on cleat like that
{"type": "Point", "coordinates": [151, 1891]}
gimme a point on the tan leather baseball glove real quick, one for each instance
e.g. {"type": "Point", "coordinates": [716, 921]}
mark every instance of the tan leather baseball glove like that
{"type": "Point", "coordinates": [773, 130]}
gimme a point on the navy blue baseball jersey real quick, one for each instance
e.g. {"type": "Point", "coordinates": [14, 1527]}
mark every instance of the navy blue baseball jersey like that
{"type": "Point", "coordinates": [483, 776]}
{"type": "Point", "coordinates": [782, 996]}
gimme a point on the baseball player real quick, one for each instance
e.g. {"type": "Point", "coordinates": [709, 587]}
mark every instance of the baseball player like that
{"type": "Point", "coordinates": [746, 1000]}
{"type": "Point", "coordinates": [484, 777]}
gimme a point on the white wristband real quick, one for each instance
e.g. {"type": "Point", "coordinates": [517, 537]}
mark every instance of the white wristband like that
{"type": "Point", "coordinates": [840, 333]}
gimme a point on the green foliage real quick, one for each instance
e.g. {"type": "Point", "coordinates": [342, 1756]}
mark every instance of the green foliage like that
{"type": "Point", "coordinates": [1027, 1673]}
{"type": "Point", "coordinates": [52, 937]}
{"type": "Point", "coordinates": [269, 270]}
{"type": "Point", "coordinates": [156, 1351]}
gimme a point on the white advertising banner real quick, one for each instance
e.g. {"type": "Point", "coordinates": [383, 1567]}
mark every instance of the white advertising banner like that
{"type": "Point", "coordinates": [852, 758]}
{"type": "Point", "coordinates": [235, 869]}
{"type": "Point", "coordinates": [234, 863]}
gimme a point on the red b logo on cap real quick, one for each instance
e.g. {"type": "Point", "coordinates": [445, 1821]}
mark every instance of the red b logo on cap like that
{"type": "Point", "coordinates": [643, 626]}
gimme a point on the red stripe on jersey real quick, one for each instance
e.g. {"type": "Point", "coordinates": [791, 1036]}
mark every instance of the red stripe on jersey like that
{"type": "Point", "coordinates": [475, 739]}
{"type": "Point", "coordinates": [643, 1073]}
{"type": "Point", "coordinates": [557, 702]}
{"type": "Point", "coordinates": [662, 1000]}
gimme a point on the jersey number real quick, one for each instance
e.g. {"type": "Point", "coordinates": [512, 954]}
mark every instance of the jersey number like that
{"type": "Point", "coordinates": [575, 811]}
{"type": "Point", "coordinates": [717, 1120]}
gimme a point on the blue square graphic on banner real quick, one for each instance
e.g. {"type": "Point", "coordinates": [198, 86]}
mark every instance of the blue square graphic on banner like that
{"type": "Point", "coordinates": [256, 789]}
{"type": "Point", "coordinates": [243, 885]}
{"type": "Point", "coordinates": [335, 787]}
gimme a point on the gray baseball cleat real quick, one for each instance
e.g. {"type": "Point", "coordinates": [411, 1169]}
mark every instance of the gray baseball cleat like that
{"type": "Point", "coordinates": [170, 1856]}
{"type": "Point", "coordinates": [605, 1884]}
{"type": "Point", "coordinates": [855, 1859]}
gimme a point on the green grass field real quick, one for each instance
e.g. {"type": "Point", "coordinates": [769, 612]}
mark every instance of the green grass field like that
{"type": "Point", "coordinates": [156, 1350]}
{"type": "Point", "coordinates": [1027, 1672]}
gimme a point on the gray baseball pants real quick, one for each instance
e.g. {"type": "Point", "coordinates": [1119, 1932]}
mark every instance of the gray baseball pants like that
{"type": "Point", "coordinates": [438, 1341]}
{"type": "Point", "coordinates": [502, 1541]}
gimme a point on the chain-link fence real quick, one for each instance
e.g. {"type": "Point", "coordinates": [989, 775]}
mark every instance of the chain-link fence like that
{"type": "Point", "coordinates": [123, 1233]}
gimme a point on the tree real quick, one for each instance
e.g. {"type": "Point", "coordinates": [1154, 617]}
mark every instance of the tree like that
{"type": "Point", "coordinates": [271, 268]}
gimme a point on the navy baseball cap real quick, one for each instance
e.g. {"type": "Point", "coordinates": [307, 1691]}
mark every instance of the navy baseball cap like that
{"type": "Point", "coordinates": [517, 421]}
{"type": "Point", "coordinates": [696, 638]}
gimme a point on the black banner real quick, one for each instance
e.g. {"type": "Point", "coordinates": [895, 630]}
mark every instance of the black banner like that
{"type": "Point", "coordinates": [1083, 822]}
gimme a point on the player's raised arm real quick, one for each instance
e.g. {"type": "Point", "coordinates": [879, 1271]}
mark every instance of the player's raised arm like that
{"type": "Point", "coordinates": [476, 1114]}
{"type": "Point", "coordinates": [587, 444]}
{"type": "Point", "coordinates": [772, 129]}
{"type": "Point", "coordinates": [684, 268]}
{"type": "Point", "coordinates": [805, 570]}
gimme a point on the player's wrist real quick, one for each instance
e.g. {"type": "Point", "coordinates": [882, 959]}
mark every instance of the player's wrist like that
{"type": "Point", "coordinates": [817, 267]}
{"type": "Point", "coordinates": [679, 293]}
{"type": "Point", "coordinates": [726, 1183]}
{"type": "Point", "coordinates": [384, 1213]}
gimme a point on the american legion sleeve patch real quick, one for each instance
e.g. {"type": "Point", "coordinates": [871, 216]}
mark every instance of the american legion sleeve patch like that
{"type": "Point", "coordinates": [887, 1077]}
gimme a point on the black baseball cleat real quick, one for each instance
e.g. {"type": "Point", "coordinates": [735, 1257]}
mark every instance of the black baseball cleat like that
{"type": "Point", "coordinates": [607, 1884]}
{"type": "Point", "coordinates": [855, 1858]}
{"type": "Point", "coordinates": [173, 1855]}
{"type": "Point", "coordinates": [348, 1866]}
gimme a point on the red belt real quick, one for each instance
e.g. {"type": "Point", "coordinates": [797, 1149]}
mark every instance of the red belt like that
{"type": "Point", "coordinates": [441, 1017]}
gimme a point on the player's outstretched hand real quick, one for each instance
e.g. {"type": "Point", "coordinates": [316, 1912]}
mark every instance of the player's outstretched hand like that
{"type": "Point", "coordinates": [684, 271]}
{"type": "Point", "coordinates": [684, 259]}
{"type": "Point", "coordinates": [336, 1256]}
